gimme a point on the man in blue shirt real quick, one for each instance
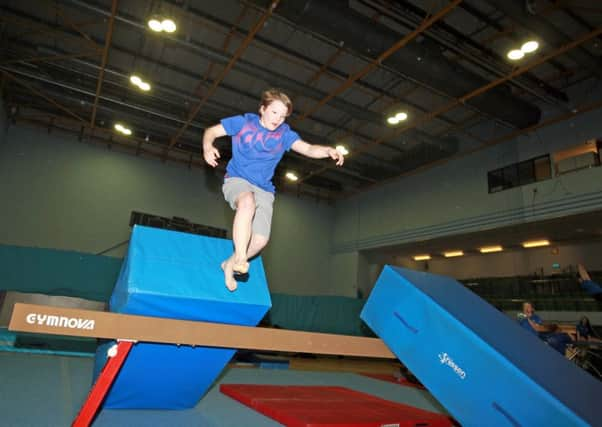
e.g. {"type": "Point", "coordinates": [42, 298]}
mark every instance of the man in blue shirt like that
{"type": "Point", "coordinates": [548, 332]}
{"type": "Point", "coordinates": [258, 144]}
{"type": "Point", "coordinates": [588, 285]}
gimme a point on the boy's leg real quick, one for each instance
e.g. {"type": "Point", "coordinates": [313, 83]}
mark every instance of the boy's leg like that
{"type": "Point", "coordinates": [258, 242]}
{"type": "Point", "coordinates": [251, 227]}
{"type": "Point", "coordinates": [262, 222]}
{"type": "Point", "coordinates": [241, 230]}
{"type": "Point", "coordinates": [238, 193]}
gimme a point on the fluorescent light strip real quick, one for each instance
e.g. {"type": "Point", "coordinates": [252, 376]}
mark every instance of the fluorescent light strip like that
{"type": "Point", "coordinates": [452, 254]}
{"type": "Point", "coordinates": [536, 243]}
{"type": "Point", "coordinates": [421, 257]}
{"type": "Point", "coordinates": [490, 249]}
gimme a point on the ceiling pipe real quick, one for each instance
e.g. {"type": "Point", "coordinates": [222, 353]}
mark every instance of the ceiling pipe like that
{"type": "Point", "coordinates": [73, 88]}
{"type": "Point", "coordinates": [472, 51]}
{"type": "Point", "coordinates": [258, 72]}
{"type": "Point", "coordinates": [450, 143]}
{"type": "Point", "coordinates": [103, 64]}
{"type": "Point", "coordinates": [154, 113]}
{"type": "Point", "coordinates": [421, 61]}
{"type": "Point", "coordinates": [245, 67]}
{"type": "Point", "coordinates": [123, 77]}
{"type": "Point", "coordinates": [243, 46]}
{"type": "Point", "coordinates": [321, 67]}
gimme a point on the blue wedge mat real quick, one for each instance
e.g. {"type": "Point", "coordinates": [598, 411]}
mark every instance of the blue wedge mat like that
{"type": "Point", "coordinates": [178, 275]}
{"type": "Point", "coordinates": [480, 364]}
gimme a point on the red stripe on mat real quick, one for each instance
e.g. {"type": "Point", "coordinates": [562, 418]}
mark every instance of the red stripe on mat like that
{"type": "Point", "coordinates": [325, 406]}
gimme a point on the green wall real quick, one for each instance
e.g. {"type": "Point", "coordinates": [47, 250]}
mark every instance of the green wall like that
{"type": "Point", "coordinates": [59, 193]}
{"type": "Point", "coordinates": [453, 198]}
{"type": "Point", "coordinates": [63, 194]}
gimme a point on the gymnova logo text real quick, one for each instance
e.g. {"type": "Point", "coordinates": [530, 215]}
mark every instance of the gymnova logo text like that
{"type": "Point", "coordinates": [446, 360]}
{"type": "Point", "coordinates": [59, 321]}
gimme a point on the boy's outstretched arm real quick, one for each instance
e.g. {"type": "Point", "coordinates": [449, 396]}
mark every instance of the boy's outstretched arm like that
{"type": "Point", "coordinates": [318, 151]}
{"type": "Point", "coordinates": [210, 153]}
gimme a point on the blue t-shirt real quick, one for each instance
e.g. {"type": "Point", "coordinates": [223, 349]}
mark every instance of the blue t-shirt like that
{"type": "Point", "coordinates": [591, 287]}
{"type": "Point", "coordinates": [256, 150]}
{"type": "Point", "coordinates": [584, 330]}
{"type": "Point", "coordinates": [524, 322]}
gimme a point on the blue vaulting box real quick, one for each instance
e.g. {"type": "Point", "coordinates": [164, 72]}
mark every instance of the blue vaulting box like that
{"type": "Point", "coordinates": [480, 364]}
{"type": "Point", "coordinates": [178, 275]}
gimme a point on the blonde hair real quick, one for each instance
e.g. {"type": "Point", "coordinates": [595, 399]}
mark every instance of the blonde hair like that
{"type": "Point", "coordinates": [271, 95]}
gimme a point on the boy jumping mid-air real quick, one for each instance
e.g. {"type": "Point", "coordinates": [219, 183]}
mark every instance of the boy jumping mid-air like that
{"type": "Point", "coordinates": [258, 144]}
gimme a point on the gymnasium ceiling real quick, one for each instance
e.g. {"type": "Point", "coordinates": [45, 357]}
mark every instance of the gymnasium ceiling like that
{"type": "Point", "coordinates": [346, 64]}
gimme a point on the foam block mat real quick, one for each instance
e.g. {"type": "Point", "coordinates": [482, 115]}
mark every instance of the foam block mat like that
{"type": "Point", "coordinates": [325, 406]}
{"type": "Point", "coordinates": [178, 275]}
{"type": "Point", "coordinates": [480, 364]}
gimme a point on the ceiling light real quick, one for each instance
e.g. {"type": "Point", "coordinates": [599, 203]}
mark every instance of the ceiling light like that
{"type": "Point", "coordinates": [144, 86]}
{"type": "Point", "coordinates": [291, 176]}
{"type": "Point", "coordinates": [342, 149]}
{"type": "Point", "coordinates": [121, 128]}
{"type": "Point", "coordinates": [490, 249]}
{"type": "Point", "coordinates": [515, 54]}
{"type": "Point", "coordinates": [451, 254]}
{"type": "Point", "coordinates": [392, 120]}
{"type": "Point", "coordinates": [137, 81]}
{"type": "Point", "coordinates": [536, 243]}
{"type": "Point", "coordinates": [401, 116]}
{"type": "Point", "coordinates": [425, 257]}
{"type": "Point", "coordinates": [530, 46]}
{"type": "Point", "coordinates": [155, 25]}
{"type": "Point", "coordinates": [168, 25]}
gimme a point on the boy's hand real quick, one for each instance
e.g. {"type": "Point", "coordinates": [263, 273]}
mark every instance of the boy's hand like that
{"type": "Point", "coordinates": [336, 155]}
{"type": "Point", "coordinates": [211, 154]}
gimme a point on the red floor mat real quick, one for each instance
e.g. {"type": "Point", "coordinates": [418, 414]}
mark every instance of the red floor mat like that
{"type": "Point", "coordinates": [313, 406]}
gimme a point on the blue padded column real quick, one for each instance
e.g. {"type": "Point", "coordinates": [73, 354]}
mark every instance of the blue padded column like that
{"type": "Point", "coordinates": [480, 364]}
{"type": "Point", "coordinates": [178, 275]}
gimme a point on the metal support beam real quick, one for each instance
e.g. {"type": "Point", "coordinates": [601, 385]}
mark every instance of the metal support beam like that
{"type": "Point", "coordinates": [374, 64]}
{"type": "Point", "coordinates": [246, 42]}
{"type": "Point", "coordinates": [105, 56]}
{"type": "Point", "coordinates": [42, 95]}
{"type": "Point", "coordinates": [460, 101]}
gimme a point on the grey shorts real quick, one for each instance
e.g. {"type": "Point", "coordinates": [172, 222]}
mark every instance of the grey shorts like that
{"type": "Point", "coordinates": [264, 202]}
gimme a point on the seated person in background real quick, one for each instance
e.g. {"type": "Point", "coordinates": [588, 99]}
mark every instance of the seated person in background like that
{"type": "Point", "coordinates": [588, 285]}
{"type": "Point", "coordinates": [585, 332]}
{"type": "Point", "coordinates": [548, 332]}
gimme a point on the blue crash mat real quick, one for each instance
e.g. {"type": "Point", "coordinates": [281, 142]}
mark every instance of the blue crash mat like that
{"type": "Point", "coordinates": [178, 275]}
{"type": "Point", "coordinates": [480, 364]}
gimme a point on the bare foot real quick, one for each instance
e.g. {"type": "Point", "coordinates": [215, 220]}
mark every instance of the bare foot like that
{"type": "Point", "coordinates": [240, 267]}
{"type": "Point", "coordinates": [229, 275]}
